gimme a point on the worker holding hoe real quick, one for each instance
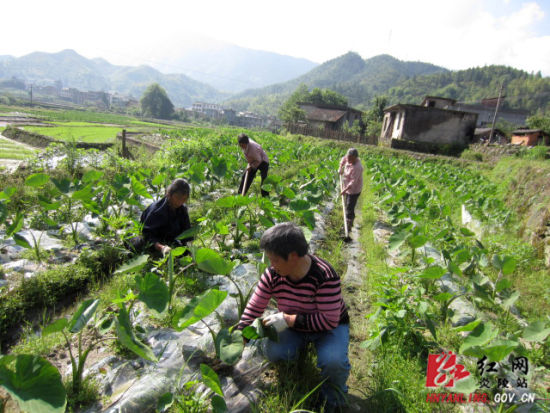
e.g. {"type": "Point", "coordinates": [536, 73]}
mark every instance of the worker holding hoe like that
{"type": "Point", "coordinates": [257, 159]}
{"type": "Point", "coordinates": [311, 308]}
{"type": "Point", "coordinates": [165, 219]}
{"type": "Point", "coordinates": [351, 171]}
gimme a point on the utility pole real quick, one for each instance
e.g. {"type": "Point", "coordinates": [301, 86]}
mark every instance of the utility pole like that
{"type": "Point", "coordinates": [31, 95]}
{"type": "Point", "coordinates": [495, 117]}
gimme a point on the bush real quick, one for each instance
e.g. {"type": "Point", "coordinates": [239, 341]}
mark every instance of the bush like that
{"type": "Point", "coordinates": [56, 286]}
{"type": "Point", "coordinates": [472, 155]}
{"type": "Point", "coordinates": [538, 153]}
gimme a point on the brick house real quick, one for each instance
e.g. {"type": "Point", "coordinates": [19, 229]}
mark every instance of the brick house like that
{"type": "Point", "coordinates": [530, 137]}
{"type": "Point", "coordinates": [331, 117]}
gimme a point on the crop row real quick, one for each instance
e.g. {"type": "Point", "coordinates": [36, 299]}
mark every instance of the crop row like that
{"type": "Point", "coordinates": [442, 262]}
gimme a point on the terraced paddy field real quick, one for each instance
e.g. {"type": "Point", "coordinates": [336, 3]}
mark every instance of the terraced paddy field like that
{"type": "Point", "coordinates": [13, 150]}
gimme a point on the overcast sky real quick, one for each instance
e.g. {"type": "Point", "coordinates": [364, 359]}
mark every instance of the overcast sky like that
{"type": "Point", "coordinates": [456, 34]}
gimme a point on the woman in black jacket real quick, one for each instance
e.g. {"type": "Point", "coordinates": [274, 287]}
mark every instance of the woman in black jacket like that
{"type": "Point", "coordinates": [167, 218]}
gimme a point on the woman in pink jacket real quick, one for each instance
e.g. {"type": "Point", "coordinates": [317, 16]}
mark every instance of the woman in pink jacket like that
{"type": "Point", "coordinates": [351, 170]}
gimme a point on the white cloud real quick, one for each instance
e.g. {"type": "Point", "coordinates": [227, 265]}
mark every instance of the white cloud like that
{"type": "Point", "coordinates": [452, 33]}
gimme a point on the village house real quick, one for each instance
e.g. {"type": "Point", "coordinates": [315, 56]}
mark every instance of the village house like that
{"type": "Point", "coordinates": [429, 124]}
{"type": "Point", "coordinates": [211, 110]}
{"type": "Point", "coordinates": [485, 110]}
{"type": "Point", "coordinates": [484, 134]}
{"type": "Point", "coordinates": [530, 137]}
{"type": "Point", "coordinates": [330, 117]}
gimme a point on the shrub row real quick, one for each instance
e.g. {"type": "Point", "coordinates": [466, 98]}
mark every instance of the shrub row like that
{"type": "Point", "coordinates": [53, 289]}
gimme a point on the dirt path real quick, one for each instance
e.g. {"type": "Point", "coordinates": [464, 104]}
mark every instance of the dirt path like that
{"type": "Point", "coordinates": [354, 291]}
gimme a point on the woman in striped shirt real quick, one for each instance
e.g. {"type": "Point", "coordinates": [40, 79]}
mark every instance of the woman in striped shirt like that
{"type": "Point", "coordinates": [310, 304]}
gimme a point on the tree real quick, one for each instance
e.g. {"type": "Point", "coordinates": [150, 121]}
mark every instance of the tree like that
{"type": "Point", "coordinates": [155, 103]}
{"type": "Point", "coordinates": [539, 122]}
{"type": "Point", "coordinates": [291, 112]}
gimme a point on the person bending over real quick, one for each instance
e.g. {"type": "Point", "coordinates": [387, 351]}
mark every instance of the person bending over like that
{"type": "Point", "coordinates": [167, 218]}
{"type": "Point", "coordinates": [257, 159]}
{"type": "Point", "coordinates": [311, 308]}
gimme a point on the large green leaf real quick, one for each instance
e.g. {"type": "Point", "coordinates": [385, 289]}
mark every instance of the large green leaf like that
{"type": "Point", "coordinates": [15, 226]}
{"type": "Point", "coordinates": [233, 201]}
{"type": "Point", "coordinates": [189, 233]}
{"type": "Point", "coordinates": [84, 194]}
{"type": "Point", "coordinates": [299, 205]}
{"type": "Point", "coordinates": [55, 327]}
{"type": "Point", "coordinates": [499, 349]}
{"type": "Point", "coordinates": [417, 241]}
{"type": "Point", "coordinates": [218, 404]}
{"type": "Point", "coordinates": [198, 308]}
{"type": "Point", "coordinates": [467, 385]}
{"type": "Point", "coordinates": [229, 346]}
{"type": "Point", "coordinates": [468, 327]}
{"type": "Point", "coordinates": [139, 189]}
{"type": "Point", "coordinates": [397, 239]}
{"type": "Point", "coordinates": [480, 336]}
{"type": "Point", "coordinates": [35, 384]}
{"type": "Point", "coordinates": [21, 241]}
{"type": "Point", "coordinates": [211, 379]}
{"type": "Point", "coordinates": [212, 262]}
{"type": "Point", "coordinates": [37, 180]}
{"type": "Point", "coordinates": [127, 338]}
{"type": "Point", "coordinates": [165, 402]}
{"type": "Point", "coordinates": [433, 273]}
{"type": "Point", "coordinates": [505, 264]}
{"type": "Point", "coordinates": [219, 167]}
{"type": "Point", "coordinates": [134, 265]}
{"type": "Point", "coordinates": [509, 302]}
{"type": "Point", "coordinates": [83, 315]}
{"type": "Point", "coordinates": [92, 176]}
{"type": "Point", "coordinates": [536, 332]}
{"type": "Point", "coordinates": [63, 185]}
{"type": "Point", "coordinates": [257, 330]}
{"type": "Point", "coordinates": [153, 291]}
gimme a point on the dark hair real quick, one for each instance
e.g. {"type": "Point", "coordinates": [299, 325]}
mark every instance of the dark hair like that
{"type": "Point", "coordinates": [179, 186]}
{"type": "Point", "coordinates": [353, 152]}
{"type": "Point", "coordinates": [284, 238]}
{"type": "Point", "coordinates": [243, 138]}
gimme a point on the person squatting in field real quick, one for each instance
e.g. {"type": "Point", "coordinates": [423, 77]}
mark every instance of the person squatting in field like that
{"type": "Point", "coordinates": [351, 170]}
{"type": "Point", "coordinates": [257, 159]}
{"type": "Point", "coordinates": [311, 308]}
{"type": "Point", "coordinates": [165, 219]}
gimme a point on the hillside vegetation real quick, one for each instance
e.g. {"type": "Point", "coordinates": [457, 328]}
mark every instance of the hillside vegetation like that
{"type": "Point", "coordinates": [405, 82]}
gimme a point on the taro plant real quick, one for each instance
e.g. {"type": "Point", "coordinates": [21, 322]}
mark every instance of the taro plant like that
{"type": "Point", "coordinates": [189, 401]}
{"type": "Point", "coordinates": [228, 344]}
{"type": "Point", "coordinates": [76, 326]}
{"type": "Point", "coordinates": [33, 383]}
{"type": "Point", "coordinates": [150, 291]}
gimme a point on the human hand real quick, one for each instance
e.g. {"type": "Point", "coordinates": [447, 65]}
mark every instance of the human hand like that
{"type": "Point", "coordinates": [165, 250]}
{"type": "Point", "coordinates": [276, 320]}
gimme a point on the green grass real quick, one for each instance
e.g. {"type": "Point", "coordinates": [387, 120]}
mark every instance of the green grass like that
{"type": "Point", "coordinates": [90, 134]}
{"type": "Point", "coordinates": [12, 150]}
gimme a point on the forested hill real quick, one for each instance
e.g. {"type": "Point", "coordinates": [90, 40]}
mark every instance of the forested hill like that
{"type": "Point", "coordinates": [405, 82]}
{"type": "Point", "coordinates": [359, 80]}
{"type": "Point", "coordinates": [522, 90]}
{"type": "Point", "coordinates": [74, 70]}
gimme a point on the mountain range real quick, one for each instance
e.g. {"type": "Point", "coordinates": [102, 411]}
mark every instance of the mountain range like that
{"type": "Point", "coordinates": [358, 79]}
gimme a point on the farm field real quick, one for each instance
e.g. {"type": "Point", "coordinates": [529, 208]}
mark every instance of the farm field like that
{"type": "Point", "coordinates": [442, 269]}
{"type": "Point", "coordinates": [78, 131]}
{"type": "Point", "coordinates": [10, 150]}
